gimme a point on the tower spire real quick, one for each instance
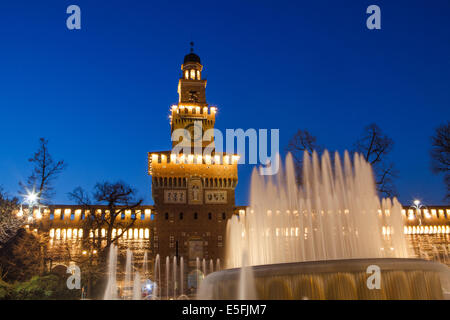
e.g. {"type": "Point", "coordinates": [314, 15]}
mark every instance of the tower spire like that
{"type": "Point", "coordinates": [192, 46]}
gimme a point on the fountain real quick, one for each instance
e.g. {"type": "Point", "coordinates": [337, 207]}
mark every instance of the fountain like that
{"type": "Point", "coordinates": [111, 287]}
{"type": "Point", "coordinates": [145, 265]}
{"type": "Point", "coordinates": [181, 276]}
{"type": "Point", "coordinates": [218, 265]}
{"type": "Point", "coordinates": [157, 275]}
{"type": "Point", "coordinates": [132, 288]}
{"type": "Point", "coordinates": [175, 284]}
{"type": "Point", "coordinates": [167, 276]}
{"type": "Point", "coordinates": [127, 284]}
{"type": "Point", "coordinates": [137, 290]}
{"type": "Point", "coordinates": [204, 266]}
{"type": "Point", "coordinates": [318, 240]}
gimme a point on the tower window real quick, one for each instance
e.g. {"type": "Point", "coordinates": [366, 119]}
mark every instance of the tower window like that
{"type": "Point", "coordinates": [181, 215]}
{"type": "Point", "coordinates": [209, 216]}
{"type": "Point", "coordinates": [224, 216]}
{"type": "Point", "coordinates": [186, 74]}
{"type": "Point", "coordinates": [195, 215]}
{"type": "Point", "coordinates": [193, 74]}
{"type": "Point", "coordinates": [198, 75]}
{"type": "Point", "coordinates": [166, 215]}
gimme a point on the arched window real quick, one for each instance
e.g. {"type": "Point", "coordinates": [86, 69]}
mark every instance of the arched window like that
{"type": "Point", "coordinates": [198, 75]}
{"type": "Point", "coordinates": [209, 215]}
{"type": "Point", "coordinates": [195, 215]}
{"type": "Point", "coordinates": [166, 215]}
{"type": "Point", "coordinates": [224, 216]}
{"type": "Point", "coordinates": [181, 215]}
{"type": "Point", "coordinates": [193, 74]}
{"type": "Point", "coordinates": [186, 74]}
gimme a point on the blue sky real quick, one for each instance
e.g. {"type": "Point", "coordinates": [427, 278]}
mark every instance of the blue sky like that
{"type": "Point", "coordinates": [101, 95]}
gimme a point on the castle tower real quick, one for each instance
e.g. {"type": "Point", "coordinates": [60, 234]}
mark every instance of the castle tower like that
{"type": "Point", "coordinates": [193, 192]}
{"type": "Point", "coordinates": [192, 117]}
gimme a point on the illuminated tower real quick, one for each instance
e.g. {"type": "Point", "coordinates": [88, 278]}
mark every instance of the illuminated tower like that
{"type": "Point", "coordinates": [192, 112]}
{"type": "Point", "coordinates": [193, 192]}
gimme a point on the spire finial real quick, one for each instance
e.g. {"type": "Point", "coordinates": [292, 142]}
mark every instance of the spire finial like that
{"type": "Point", "coordinates": [192, 46]}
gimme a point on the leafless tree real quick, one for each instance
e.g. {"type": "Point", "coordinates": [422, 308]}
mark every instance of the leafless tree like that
{"type": "Point", "coordinates": [45, 170]}
{"type": "Point", "coordinates": [10, 223]}
{"type": "Point", "coordinates": [117, 198]}
{"type": "Point", "coordinates": [375, 146]}
{"type": "Point", "coordinates": [440, 153]}
{"type": "Point", "coordinates": [300, 142]}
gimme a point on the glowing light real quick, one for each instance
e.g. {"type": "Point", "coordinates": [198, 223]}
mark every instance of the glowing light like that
{"type": "Point", "coordinates": [147, 233]}
{"type": "Point", "coordinates": [31, 197]}
{"type": "Point", "coordinates": [416, 202]}
{"type": "Point", "coordinates": [84, 252]}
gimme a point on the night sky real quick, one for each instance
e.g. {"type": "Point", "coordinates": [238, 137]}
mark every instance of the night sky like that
{"type": "Point", "coordinates": [101, 95]}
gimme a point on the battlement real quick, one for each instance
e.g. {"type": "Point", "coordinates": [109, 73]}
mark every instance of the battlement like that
{"type": "Point", "coordinates": [424, 216]}
{"type": "Point", "coordinates": [222, 164]}
{"type": "Point", "coordinates": [195, 111]}
{"type": "Point", "coordinates": [62, 215]}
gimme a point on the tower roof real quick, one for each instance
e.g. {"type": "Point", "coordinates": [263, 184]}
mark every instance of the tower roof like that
{"type": "Point", "coordinates": [191, 57]}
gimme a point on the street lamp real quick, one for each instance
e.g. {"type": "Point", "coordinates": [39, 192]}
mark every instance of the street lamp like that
{"type": "Point", "coordinates": [418, 206]}
{"type": "Point", "coordinates": [31, 198]}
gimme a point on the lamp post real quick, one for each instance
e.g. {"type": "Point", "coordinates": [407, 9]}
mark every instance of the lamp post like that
{"type": "Point", "coordinates": [31, 199]}
{"type": "Point", "coordinates": [417, 205]}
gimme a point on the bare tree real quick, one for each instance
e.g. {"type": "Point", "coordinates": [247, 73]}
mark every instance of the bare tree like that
{"type": "Point", "coordinates": [45, 170]}
{"type": "Point", "coordinates": [375, 146]}
{"type": "Point", "coordinates": [10, 223]}
{"type": "Point", "coordinates": [440, 153]}
{"type": "Point", "coordinates": [117, 198]}
{"type": "Point", "coordinates": [300, 142]}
